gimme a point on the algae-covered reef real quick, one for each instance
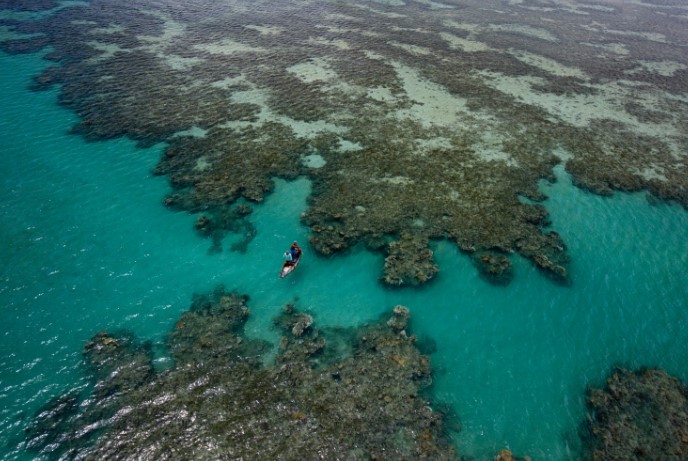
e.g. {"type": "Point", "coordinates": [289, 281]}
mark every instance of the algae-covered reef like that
{"type": "Point", "coordinates": [415, 120]}
{"type": "Point", "coordinates": [329, 394]}
{"type": "Point", "coordinates": [639, 415]}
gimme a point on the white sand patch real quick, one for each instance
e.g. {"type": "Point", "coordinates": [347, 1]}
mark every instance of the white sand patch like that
{"type": "Point", "coordinates": [410, 29]}
{"type": "Point", "coordinates": [313, 70]}
{"type": "Point", "coordinates": [230, 82]}
{"type": "Point", "coordinates": [540, 9]}
{"type": "Point", "coordinates": [436, 5]}
{"type": "Point", "coordinates": [463, 44]}
{"type": "Point", "coordinates": [310, 130]}
{"type": "Point", "coordinates": [656, 6]}
{"type": "Point", "coordinates": [395, 180]}
{"type": "Point", "coordinates": [349, 30]}
{"type": "Point", "coordinates": [426, 145]}
{"type": "Point", "coordinates": [606, 9]}
{"type": "Point", "coordinates": [433, 104]}
{"type": "Point", "coordinates": [228, 47]}
{"type": "Point", "coordinates": [180, 63]}
{"type": "Point", "coordinates": [107, 50]}
{"type": "Point", "coordinates": [390, 2]}
{"type": "Point", "coordinates": [562, 154]}
{"type": "Point", "coordinates": [566, 6]}
{"type": "Point", "coordinates": [202, 164]}
{"type": "Point", "coordinates": [652, 173]}
{"type": "Point", "coordinates": [336, 43]}
{"type": "Point", "coordinates": [348, 146]}
{"type": "Point", "coordinates": [649, 36]}
{"type": "Point", "coordinates": [111, 29]}
{"type": "Point", "coordinates": [266, 30]}
{"type": "Point", "coordinates": [548, 65]}
{"type": "Point", "coordinates": [170, 31]}
{"type": "Point", "coordinates": [374, 55]}
{"type": "Point", "coordinates": [194, 132]}
{"type": "Point", "coordinates": [260, 98]}
{"type": "Point", "coordinates": [340, 17]}
{"type": "Point", "coordinates": [583, 109]}
{"type": "Point", "coordinates": [488, 154]}
{"type": "Point", "coordinates": [521, 29]}
{"type": "Point", "coordinates": [381, 94]}
{"type": "Point", "coordinates": [616, 48]}
{"type": "Point", "coordinates": [467, 26]}
{"type": "Point", "coordinates": [489, 149]}
{"type": "Point", "coordinates": [413, 49]}
{"type": "Point", "coordinates": [381, 13]}
{"type": "Point", "coordinates": [313, 161]}
{"type": "Point", "coordinates": [663, 68]}
{"type": "Point", "coordinates": [157, 44]}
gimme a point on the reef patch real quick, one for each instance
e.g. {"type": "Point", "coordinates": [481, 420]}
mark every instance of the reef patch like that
{"type": "Point", "coordinates": [638, 415]}
{"type": "Point", "coordinates": [414, 111]}
{"type": "Point", "coordinates": [221, 401]}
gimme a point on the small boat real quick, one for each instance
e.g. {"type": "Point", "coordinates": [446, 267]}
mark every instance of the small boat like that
{"type": "Point", "coordinates": [288, 267]}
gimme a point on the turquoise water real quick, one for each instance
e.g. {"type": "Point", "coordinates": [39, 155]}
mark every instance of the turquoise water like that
{"type": "Point", "coordinates": [88, 246]}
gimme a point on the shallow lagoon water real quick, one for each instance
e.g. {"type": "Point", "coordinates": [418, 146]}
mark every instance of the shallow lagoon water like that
{"type": "Point", "coordinates": [89, 246]}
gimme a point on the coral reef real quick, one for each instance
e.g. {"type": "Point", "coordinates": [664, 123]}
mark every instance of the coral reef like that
{"type": "Point", "coordinates": [507, 455]}
{"type": "Point", "coordinates": [221, 401]}
{"type": "Point", "coordinates": [227, 219]}
{"type": "Point", "coordinates": [493, 267]}
{"type": "Point", "coordinates": [638, 415]}
{"type": "Point", "coordinates": [409, 262]}
{"type": "Point", "coordinates": [425, 118]}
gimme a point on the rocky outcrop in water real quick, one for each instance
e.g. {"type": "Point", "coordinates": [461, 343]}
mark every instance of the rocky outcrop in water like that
{"type": "Point", "coordinates": [641, 415]}
{"type": "Point", "coordinates": [358, 401]}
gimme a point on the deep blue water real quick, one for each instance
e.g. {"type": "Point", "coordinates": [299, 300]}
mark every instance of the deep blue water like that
{"type": "Point", "coordinates": [88, 245]}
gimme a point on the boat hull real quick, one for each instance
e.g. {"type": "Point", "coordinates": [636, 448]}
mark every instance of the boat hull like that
{"type": "Point", "coordinates": [288, 268]}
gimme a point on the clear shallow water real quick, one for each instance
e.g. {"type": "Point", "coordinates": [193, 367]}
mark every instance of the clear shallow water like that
{"type": "Point", "coordinates": [87, 246]}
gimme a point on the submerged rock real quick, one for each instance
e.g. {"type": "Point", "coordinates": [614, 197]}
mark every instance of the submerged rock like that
{"type": "Point", "coordinates": [494, 267]}
{"type": "Point", "coordinates": [507, 455]}
{"type": "Point", "coordinates": [217, 222]}
{"type": "Point", "coordinates": [638, 415]}
{"type": "Point", "coordinates": [222, 401]}
{"type": "Point", "coordinates": [399, 319]}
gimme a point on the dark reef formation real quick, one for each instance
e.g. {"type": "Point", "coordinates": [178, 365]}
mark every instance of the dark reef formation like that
{"type": "Point", "coordinates": [428, 118]}
{"type": "Point", "coordinates": [493, 267]}
{"type": "Point", "coordinates": [330, 394]}
{"type": "Point", "coordinates": [640, 415]}
{"type": "Point", "coordinates": [409, 262]}
{"type": "Point", "coordinates": [507, 455]}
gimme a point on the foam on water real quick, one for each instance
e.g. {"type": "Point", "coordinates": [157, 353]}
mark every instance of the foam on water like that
{"type": "Point", "coordinates": [88, 246]}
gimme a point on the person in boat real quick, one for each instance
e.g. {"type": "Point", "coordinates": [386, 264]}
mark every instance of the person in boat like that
{"type": "Point", "coordinates": [295, 251]}
{"type": "Point", "coordinates": [288, 258]}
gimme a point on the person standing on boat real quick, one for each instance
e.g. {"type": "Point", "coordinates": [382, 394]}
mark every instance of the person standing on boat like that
{"type": "Point", "coordinates": [295, 251]}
